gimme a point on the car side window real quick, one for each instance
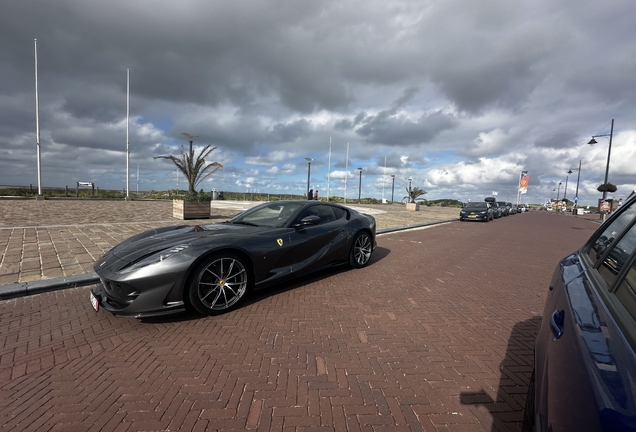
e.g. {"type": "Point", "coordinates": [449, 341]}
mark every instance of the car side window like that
{"type": "Point", "coordinates": [324, 212]}
{"type": "Point", "coordinates": [618, 256]}
{"type": "Point", "coordinates": [338, 212]}
{"type": "Point", "coordinates": [626, 292]}
{"type": "Point", "coordinates": [610, 234]}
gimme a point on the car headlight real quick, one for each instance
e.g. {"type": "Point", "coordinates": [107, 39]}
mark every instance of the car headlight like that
{"type": "Point", "coordinates": [154, 258]}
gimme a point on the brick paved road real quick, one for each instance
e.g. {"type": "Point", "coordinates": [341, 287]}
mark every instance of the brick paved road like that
{"type": "Point", "coordinates": [435, 335]}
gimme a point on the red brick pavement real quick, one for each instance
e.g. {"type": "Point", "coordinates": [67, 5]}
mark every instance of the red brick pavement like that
{"type": "Point", "coordinates": [435, 335]}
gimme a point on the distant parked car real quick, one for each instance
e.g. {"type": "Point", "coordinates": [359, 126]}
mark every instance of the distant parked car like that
{"type": "Point", "coordinates": [512, 209]}
{"type": "Point", "coordinates": [497, 211]}
{"type": "Point", "coordinates": [584, 375]}
{"type": "Point", "coordinates": [481, 211]}
{"type": "Point", "coordinates": [505, 210]}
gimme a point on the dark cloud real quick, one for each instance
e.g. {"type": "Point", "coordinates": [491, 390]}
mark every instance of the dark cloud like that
{"type": "Point", "coordinates": [398, 129]}
{"type": "Point", "coordinates": [461, 85]}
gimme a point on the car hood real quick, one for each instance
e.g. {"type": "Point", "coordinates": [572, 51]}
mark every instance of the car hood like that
{"type": "Point", "coordinates": [153, 241]}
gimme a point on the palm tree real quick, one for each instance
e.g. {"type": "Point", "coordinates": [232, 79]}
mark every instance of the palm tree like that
{"type": "Point", "coordinates": [414, 193]}
{"type": "Point", "coordinates": [194, 169]}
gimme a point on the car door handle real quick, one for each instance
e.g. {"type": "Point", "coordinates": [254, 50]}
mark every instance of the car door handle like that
{"type": "Point", "coordinates": [556, 323]}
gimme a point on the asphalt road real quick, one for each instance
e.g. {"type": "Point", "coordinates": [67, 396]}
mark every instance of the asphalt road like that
{"type": "Point", "coordinates": [435, 335]}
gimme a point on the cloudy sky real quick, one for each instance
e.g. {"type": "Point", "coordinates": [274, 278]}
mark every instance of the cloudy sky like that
{"type": "Point", "coordinates": [459, 95]}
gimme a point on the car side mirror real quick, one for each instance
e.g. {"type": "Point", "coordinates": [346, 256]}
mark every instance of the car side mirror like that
{"type": "Point", "coordinates": [309, 220]}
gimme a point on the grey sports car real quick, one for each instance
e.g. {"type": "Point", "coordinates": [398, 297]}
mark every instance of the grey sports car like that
{"type": "Point", "coordinates": [210, 268]}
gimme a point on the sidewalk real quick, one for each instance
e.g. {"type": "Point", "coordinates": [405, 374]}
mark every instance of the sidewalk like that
{"type": "Point", "coordinates": [43, 240]}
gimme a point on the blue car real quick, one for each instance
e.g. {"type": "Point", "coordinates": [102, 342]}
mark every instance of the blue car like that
{"type": "Point", "coordinates": [584, 375]}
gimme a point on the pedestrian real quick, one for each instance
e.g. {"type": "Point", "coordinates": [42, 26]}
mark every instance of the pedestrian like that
{"type": "Point", "coordinates": [310, 195]}
{"type": "Point", "coordinates": [316, 195]}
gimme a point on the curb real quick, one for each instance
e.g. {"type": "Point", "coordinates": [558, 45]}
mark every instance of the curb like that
{"type": "Point", "coordinates": [24, 289]}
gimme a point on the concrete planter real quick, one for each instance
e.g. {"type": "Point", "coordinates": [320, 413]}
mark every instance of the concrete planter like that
{"type": "Point", "coordinates": [413, 206]}
{"type": "Point", "coordinates": [190, 209]}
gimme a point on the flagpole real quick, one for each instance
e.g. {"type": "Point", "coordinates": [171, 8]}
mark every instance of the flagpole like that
{"type": "Point", "coordinates": [383, 177]}
{"type": "Point", "coordinates": [519, 187]}
{"type": "Point", "coordinates": [329, 169]}
{"type": "Point", "coordinates": [346, 174]}
{"type": "Point", "coordinates": [37, 122]}
{"type": "Point", "coordinates": [127, 140]}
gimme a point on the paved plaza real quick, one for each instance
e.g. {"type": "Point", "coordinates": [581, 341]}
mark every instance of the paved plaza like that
{"type": "Point", "coordinates": [436, 334]}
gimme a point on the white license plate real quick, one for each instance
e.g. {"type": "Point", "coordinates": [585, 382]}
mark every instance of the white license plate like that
{"type": "Point", "coordinates": [94, 302]}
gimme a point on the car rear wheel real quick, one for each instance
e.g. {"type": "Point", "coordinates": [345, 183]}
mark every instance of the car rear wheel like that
{"type": "Point", "coordinates": [220, 283]}
{"type": "Point", "coordinates": [361, 250]}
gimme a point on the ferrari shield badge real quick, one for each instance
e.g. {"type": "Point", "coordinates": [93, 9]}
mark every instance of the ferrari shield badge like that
{"type": "Point", "coordinates": [280, 242]}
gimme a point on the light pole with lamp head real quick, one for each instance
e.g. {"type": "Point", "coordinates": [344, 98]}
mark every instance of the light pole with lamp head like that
{"type": "Point", "coordinates": [308, 173]}
{"type": "Point", "coordinates": [609, 151]}
{"type": "Point", "coordinates": [578, 177]}
{"type": "Point", "coordinates": [360, 186]}
{"type": "Point", "coordinates": [392, 186]}
{"type": "Point", "coordinates": [565, 192]}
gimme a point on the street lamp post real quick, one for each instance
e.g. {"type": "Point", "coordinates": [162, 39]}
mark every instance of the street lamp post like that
{"type": "Point", "coordinates": [392, 186]}
{"type": "Point", "coordinates": [410, 180]}
{"type": "Point", "coordinates": [308, 173]}
{"type": "Point", "coordinates": [578, 177]}
{"type": "Point", "coordinates": [609, 151]}
{"type": "Point", "coordinates": [565, 193]}
{"type": "Point", "coordinates": [558, 192]}
{"type": "Point", "coordinates": [360, 186]}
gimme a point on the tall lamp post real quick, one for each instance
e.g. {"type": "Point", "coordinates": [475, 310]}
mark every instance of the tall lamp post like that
{"type": "Point", "coordinates": [392, 186]}
{"type": "Point", "coordinates": [558, 192]}
{"type": "Point", "coordinates": [609, 151]}
{"type": "Point", "coordinates": [360, 186]}
{"type": "Point", "coordinates": [410, 180]}
{"type": "Point", "coordinates": [308, 173]}
{"type": "Point", "coordinates": [578, 177]}
{"type": "Point", "coordinates": [565, 192]}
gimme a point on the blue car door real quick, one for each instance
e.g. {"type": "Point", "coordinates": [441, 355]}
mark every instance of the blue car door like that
{"type": "Point", "coordinates": [585, 361]}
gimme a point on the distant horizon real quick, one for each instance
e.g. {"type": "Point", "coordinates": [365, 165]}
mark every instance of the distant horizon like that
{"type": "Point", "coordinates": [242, 193]}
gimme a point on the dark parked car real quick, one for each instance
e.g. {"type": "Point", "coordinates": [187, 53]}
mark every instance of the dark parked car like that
{"type": "Point", "coordinates": [480, 211]}
{"type": "Point", "coordinates": [212, 267]}
{"type": "Point", "coordinates": [584, 375]}
{"type": "Point", "coordinates": [495, 207]}
{"type": "Point", "coordinates": [505, 208]}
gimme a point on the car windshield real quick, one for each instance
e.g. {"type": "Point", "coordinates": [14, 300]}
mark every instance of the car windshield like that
{"type": "Point", "coordinates": [476, 206]}
{"type": "Point", "coordinates": [269, 215]}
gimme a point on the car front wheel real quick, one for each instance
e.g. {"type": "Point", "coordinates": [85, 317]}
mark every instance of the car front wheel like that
{"type": "Point", "coordinates": [361, 250]}
{"type": "Point", "coordinates": [220, 283]}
